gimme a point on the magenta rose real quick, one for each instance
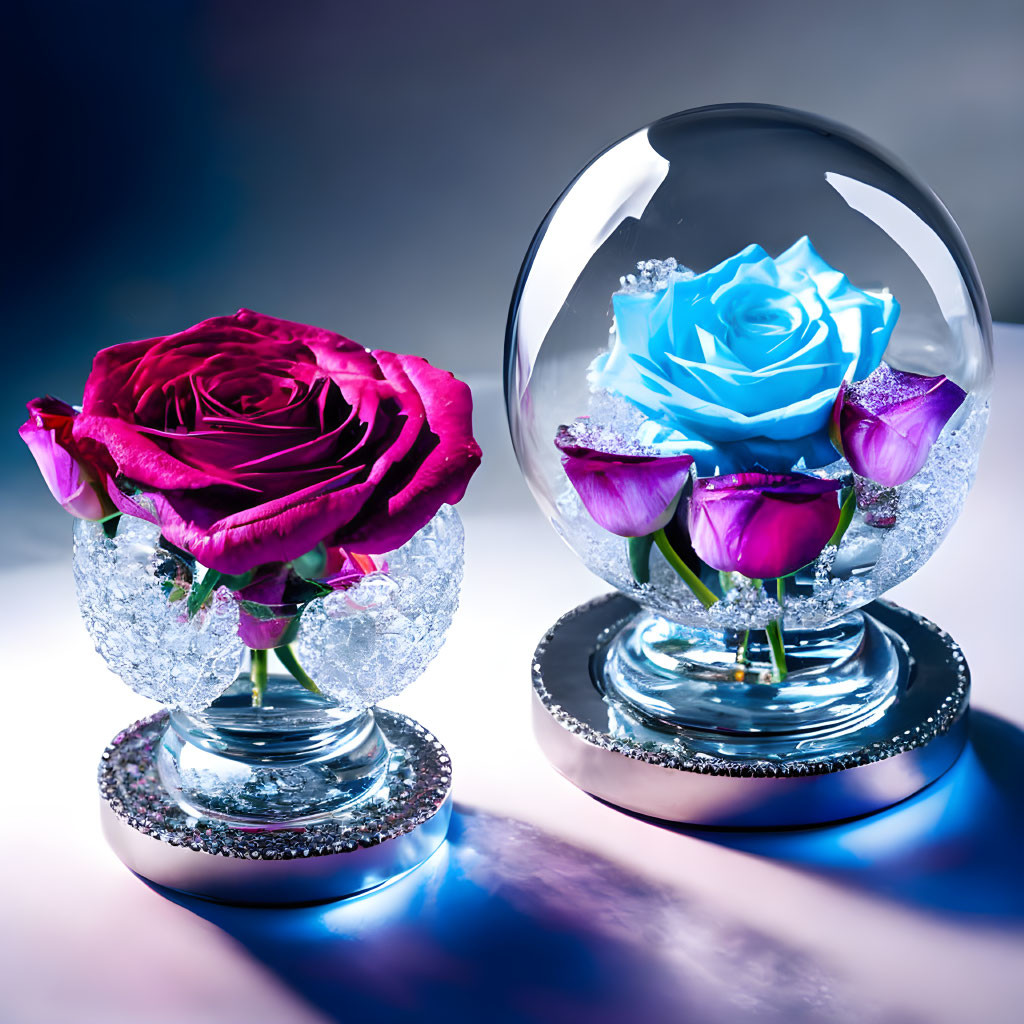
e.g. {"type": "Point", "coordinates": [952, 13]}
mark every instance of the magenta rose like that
{"type": "Point", "coordinates": [762, 525]}
{"type": "Point", "coordinates": [252, 440]}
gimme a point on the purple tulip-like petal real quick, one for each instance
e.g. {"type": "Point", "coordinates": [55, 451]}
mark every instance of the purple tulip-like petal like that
{"type": "Point", "coordinates": [629, 495]}
{"type": "Point", "coordinates": [886, 424]}
{"type": "Point", "coordinates": [74, 479]}
{"type": "Point", "coordinates": [762, 525]}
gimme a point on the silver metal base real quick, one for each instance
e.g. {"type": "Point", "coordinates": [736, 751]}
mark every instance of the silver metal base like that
{"type": "Point", "coordinates": [378, 839]}
{"type": "Point", "coordinates": [652, 771]}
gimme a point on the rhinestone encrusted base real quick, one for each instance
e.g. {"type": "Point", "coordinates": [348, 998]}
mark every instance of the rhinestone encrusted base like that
{"type": "Point", "coordinates": [651, 769]}
{"type": "Point", "coordinates": [415, 788]}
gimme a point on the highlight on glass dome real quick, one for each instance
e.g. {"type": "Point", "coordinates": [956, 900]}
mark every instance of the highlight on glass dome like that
{"type": "Point", "coordinates": [747, 374]}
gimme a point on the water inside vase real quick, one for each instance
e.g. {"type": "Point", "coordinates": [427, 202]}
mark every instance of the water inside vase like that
{"type": "Point", "coordinates": [717, 687]}
{"type": "Point", "coordinates": [296, 759]}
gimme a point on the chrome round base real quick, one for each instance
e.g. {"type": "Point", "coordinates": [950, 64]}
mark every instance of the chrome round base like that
{"type": "Point", "coordinates": [663, 770]}
{"type": "Point", "coordinates": [361, 847]}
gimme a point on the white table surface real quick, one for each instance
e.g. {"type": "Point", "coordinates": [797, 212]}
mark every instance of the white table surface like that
{"type": "Point", "coordinates": [544, 905]}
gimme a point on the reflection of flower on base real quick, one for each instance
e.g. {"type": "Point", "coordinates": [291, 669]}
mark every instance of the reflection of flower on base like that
{"type": "Point", "coordinates": [739, 366]}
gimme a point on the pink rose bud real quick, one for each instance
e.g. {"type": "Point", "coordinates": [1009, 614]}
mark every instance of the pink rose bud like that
{"type": "Point", "coordinates": [630, 495]}
{"type": "Point", "coordinates": [762, 525]}
{"type": "Point", "coordinates": [78, 487]}
{"type": "Point", "coordinates": [886, 424]}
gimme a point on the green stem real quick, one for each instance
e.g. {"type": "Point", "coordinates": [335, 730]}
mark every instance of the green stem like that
{"type": "Point", "coordinates": [639, 549]}
{"type": "Point", "coordinates": [701, 592]}
{"type": "Point", "coordinates": [742, 657]}
{"type": "Point", "coordinates": [845, 517]}
{"type": "Point", "coordinates": [286, 656]}
{"type": "Point", "coordinates": [776, 642]}
{"type": "Point", "coordinates": [258, 675]}
{"type": "Point", "coordinates": [774, 631]}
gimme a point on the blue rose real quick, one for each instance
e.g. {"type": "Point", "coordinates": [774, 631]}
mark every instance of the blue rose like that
{"type": "Point", "coordinates": [739, 366]}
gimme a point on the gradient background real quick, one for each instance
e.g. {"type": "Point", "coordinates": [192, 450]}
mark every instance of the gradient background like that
{"type": "Point", "coordinates": [381, 172]}
{"type": "Point", "coordinates": [381, 169]}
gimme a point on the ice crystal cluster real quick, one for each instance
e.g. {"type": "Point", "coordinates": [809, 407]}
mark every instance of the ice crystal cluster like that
{"type": "Point", "coordinates": [370, 642]}
{"type": "Point", "coordinates": [870, 560]}
{"type": "Point", "coordinates": [654, 276]}
{"type": "Point", "coordinates": [141, 626]}
{"type": "Point", "coordinates": [360, 645]}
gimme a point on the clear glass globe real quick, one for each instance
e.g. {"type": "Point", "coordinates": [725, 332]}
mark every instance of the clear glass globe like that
{"type": "Point", "coordinates": [708, 286]}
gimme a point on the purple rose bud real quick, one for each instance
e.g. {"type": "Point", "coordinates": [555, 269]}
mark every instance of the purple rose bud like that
{"type": "Point", "coordinates": [886, 424]}
{"type": "Point", "coordinates": [630, 495]}
{"type": "Point", "coordinates": [762, 525]}
{"type": "Point", "coordinates": [77, 485]}
{"type": "Point", "coordinates": [265, 616]}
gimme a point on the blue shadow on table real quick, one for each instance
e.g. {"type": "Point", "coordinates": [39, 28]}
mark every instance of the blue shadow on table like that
{"type": "Point", "coordinates": [509, 925]}
{"type": "Point", "coordinates": [954, 848]}
{"type": "Point", "coordinates": [452, 941]}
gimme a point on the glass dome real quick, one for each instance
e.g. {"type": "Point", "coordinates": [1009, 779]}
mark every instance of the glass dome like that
{"type": "Point", "coordinates": [747, 366]}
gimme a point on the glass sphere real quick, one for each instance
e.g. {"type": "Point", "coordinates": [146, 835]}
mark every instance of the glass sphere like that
{"type": "Point", "coordinates": [768, 294]}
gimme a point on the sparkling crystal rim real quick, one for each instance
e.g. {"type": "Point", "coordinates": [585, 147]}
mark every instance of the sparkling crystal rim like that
{"type": "Point", "coordinates": [945, 714]}
{"type": "Point", "coordinates": [417, 784]}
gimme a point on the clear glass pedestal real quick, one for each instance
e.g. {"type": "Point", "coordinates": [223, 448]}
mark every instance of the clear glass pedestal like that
{"type": "Point", "coordinates": [296, 759]}
{"type": "Point", "coordinates": [718, 686]}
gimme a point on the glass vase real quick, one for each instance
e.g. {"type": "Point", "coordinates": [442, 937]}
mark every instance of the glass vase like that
{"type": "Point", "coordinates": [244, 745]}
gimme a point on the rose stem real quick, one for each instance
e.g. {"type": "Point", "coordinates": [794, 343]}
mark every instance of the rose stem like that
{"type": "Point", "coordinates": [258, 674]}
{"type": "Point", "coordinates": [700, 591]}
{"type": "Point", "coordinates": [726, 581]}
{"type": "Point", "coordinates": [741, 650]}
{"type": "Point", "coordinates": [775, 640]}
{"type": "Point", "coordinates": [286, 656]}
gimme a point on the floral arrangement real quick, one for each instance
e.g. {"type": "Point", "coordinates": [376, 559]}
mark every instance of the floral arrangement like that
{"type": "Point", "coordinates": [279, 461]}
{"type": "Point", "coordinates": [749, 380]}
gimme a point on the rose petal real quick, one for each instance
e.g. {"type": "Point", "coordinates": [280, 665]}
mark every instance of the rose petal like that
{"type": "Point", "coordinates": [629, 495]}
{"type": "Point", "coordinates": [885, 426]}
{"type": "Point", "coordinates": [251, 440]}
{"type": "Point", "coordinates": [762, 525]}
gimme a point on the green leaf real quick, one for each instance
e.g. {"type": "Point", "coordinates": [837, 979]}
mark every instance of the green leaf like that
{"type": "Point", "coordinates": [312, 564]}
{"type": "Point", "coordinates": [258, 611]}
{"type": "Point", "coordinates": [237, 582]}
{"type": "Point", "coordinates": [201, 591]}
{"type": "Point", "coordinates": [639, 549]}
{"type": "Point", "coordinates": [287, 658]}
